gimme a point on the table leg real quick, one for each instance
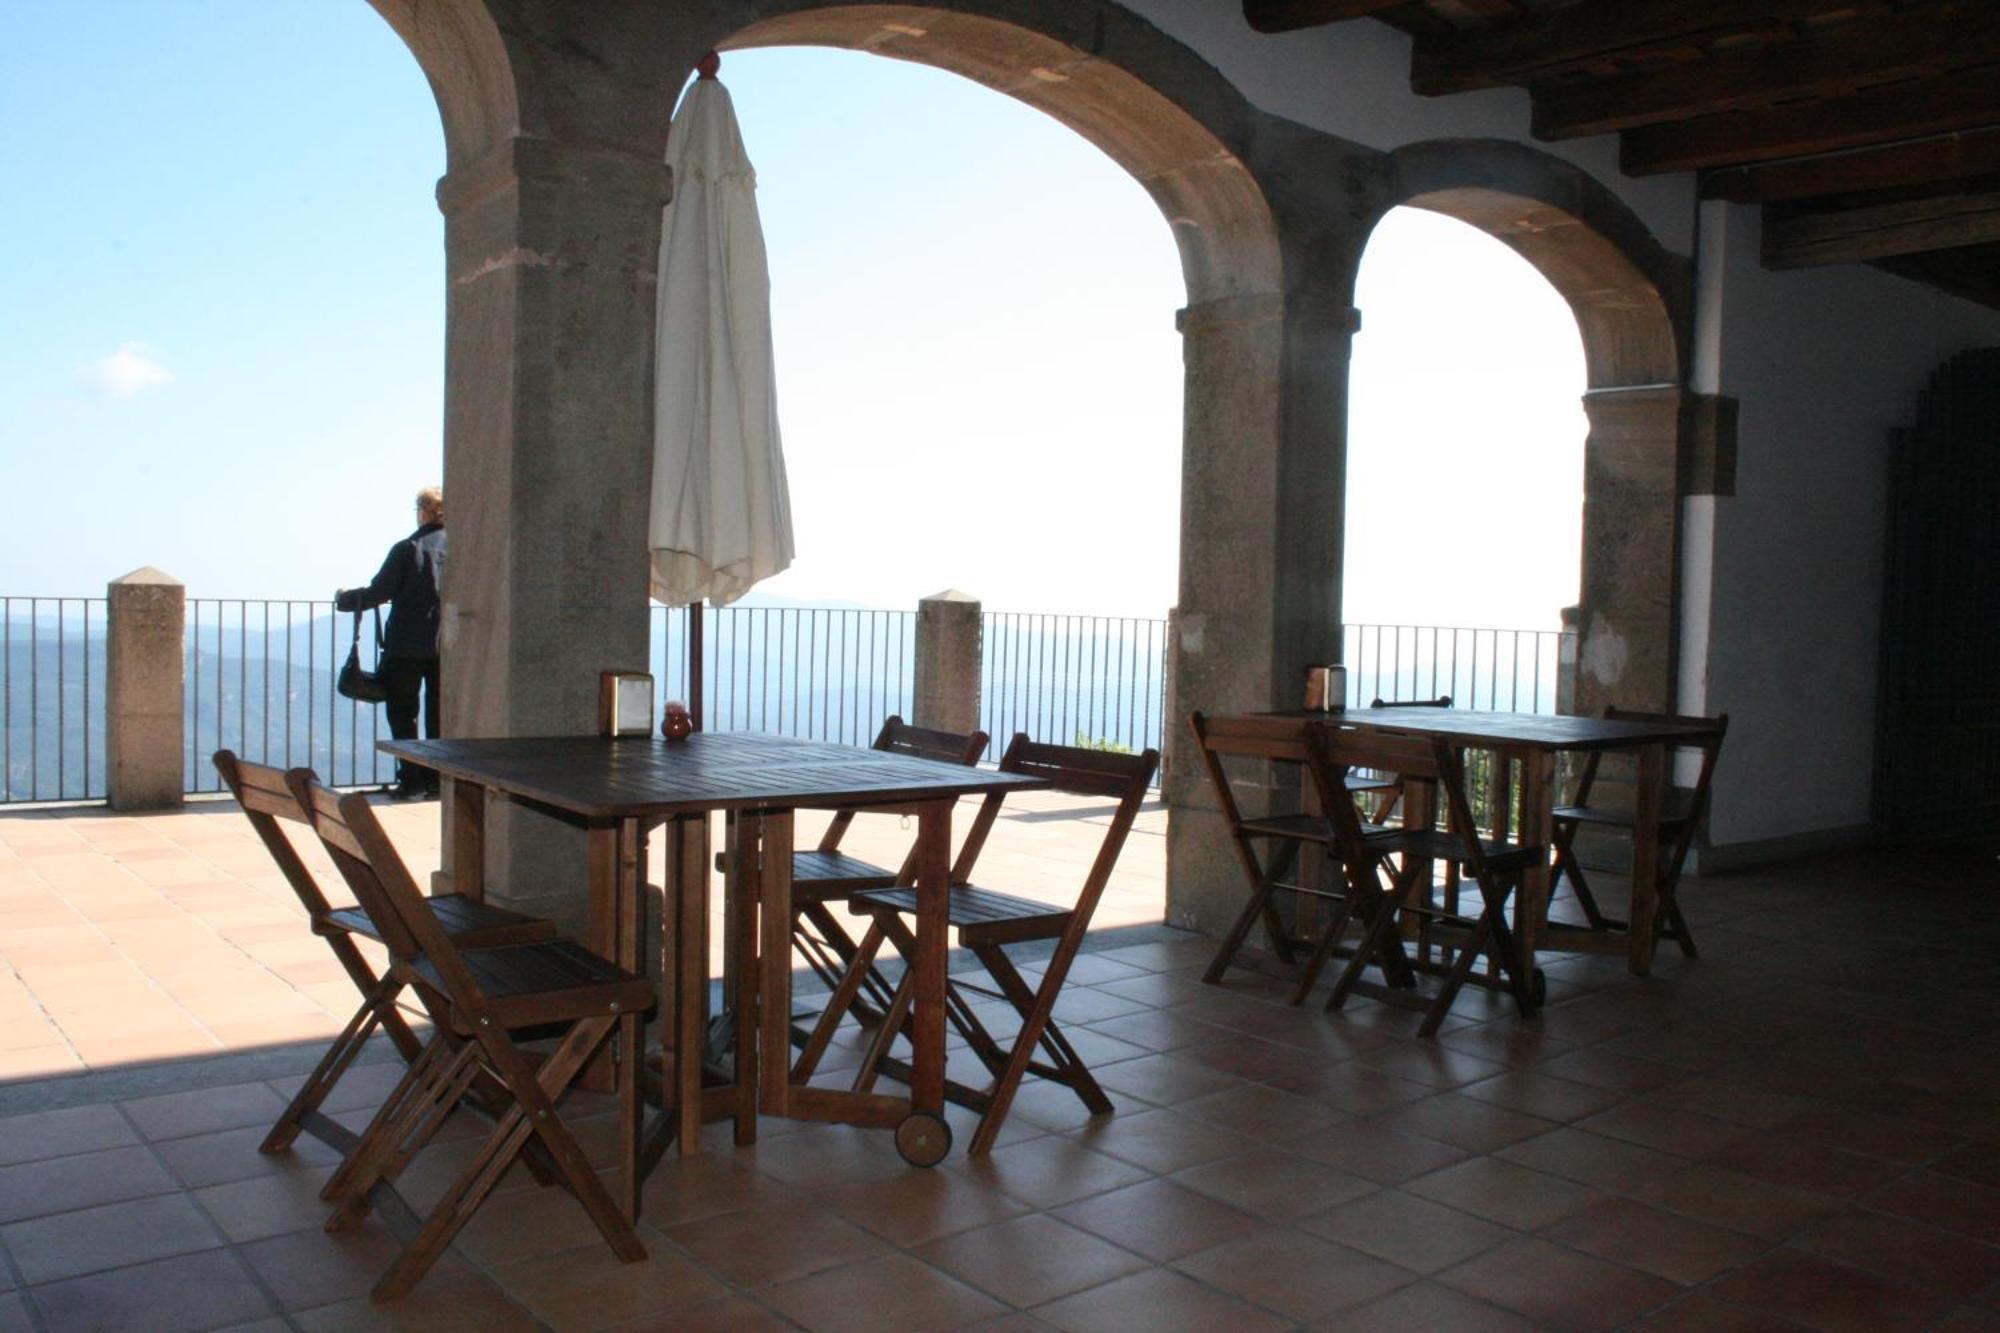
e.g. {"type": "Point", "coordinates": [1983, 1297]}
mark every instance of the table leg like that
{"type": "Point", "coordinates": [745, 841]}
{"type": "Point", "coordinates": [774, 997]}
{"type": "Point", "coordinates": [468, 839]}
{"type": "Point", "coordinates": [933, 924]}
{"type": "Point", "coordinates": [630, 889]}
{"type": "Point", "coordinates": [684, 970]}
{"type": "Point", "coordinates": [1646, 856]}
{"type": "Point", "coordinates": [1538, 829]}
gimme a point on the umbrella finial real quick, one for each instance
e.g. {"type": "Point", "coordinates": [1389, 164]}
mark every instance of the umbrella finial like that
{"type": "Point", "coordinates": [708, 65]}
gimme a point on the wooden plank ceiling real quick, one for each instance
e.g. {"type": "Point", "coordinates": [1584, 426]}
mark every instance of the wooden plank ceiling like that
{"type": "Point", "coordinates": [1868, 130]}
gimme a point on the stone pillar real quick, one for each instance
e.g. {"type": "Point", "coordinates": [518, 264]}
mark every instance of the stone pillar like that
{"type": "Point", "coordinates": [1262, 496]}
{"type": "Point", "coordinates": [551, 249]}
{"type": "Point", "coordinates": [1631, 549]}
{"type": "Point", "coordinates": [950, 639]}
{"type": "Point", "coordinates": [144, 704]}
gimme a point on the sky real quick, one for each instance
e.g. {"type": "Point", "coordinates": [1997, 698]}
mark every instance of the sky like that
{"type": "Point", "coordinates": [222, 331]}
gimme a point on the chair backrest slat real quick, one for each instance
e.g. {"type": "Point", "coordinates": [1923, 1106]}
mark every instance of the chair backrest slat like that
{"type": "Point", "coordinates": [266, 798]}
{"type": "Point", "coordinates": [946, 747]}
{"type": "Point", "coordinates": [1075, 769]}
{"type": "Point", "coordinates": [1708, 740]}
{"type": "Point", "coordinates": [368, 861]}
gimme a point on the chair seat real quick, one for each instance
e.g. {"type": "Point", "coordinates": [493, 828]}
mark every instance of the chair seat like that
{"type": "Point", "coordinates": [1606, 816]}
{"type": "Point", "coordinates": [981, 916]}
{"type": "Point", "coordinates": [1438, 845]}
{"type": "Point", "coordinates": [471, 924]}
{"type": "Point", "coordinates": [1298, 828]}
{"type": "Point", "coordinates": [558, 981]}
{"type": "Point", "coordinates": [817, 875]}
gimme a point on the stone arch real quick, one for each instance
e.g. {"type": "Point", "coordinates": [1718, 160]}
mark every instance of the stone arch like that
{"type": "Point", "coordinates": [1631, 298]}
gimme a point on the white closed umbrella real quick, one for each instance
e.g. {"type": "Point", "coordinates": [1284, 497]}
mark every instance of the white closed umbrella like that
{"type": "Point", "coordinates": [721, 514]}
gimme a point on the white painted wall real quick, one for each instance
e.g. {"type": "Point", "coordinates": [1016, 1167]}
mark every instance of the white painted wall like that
{"type": "Point", "coordinates": [1825, 362]}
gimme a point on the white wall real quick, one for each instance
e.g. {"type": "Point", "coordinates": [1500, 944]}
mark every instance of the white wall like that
{"type": "Point", "coordinates": [1825, 362]}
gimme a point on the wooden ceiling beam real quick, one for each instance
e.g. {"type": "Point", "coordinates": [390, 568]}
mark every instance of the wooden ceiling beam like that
{"type": "Point", "coordinates": [1947, 157]}
{"type": "Point", "coordinates": [1917, 108]}
{"type": "Point", "coordinates": [1881, 231]}
{"type": "Point", "coordinates": [1593, 30]}
{"type": "Point", "coordinates": [1863, 53]}
{"type": "Point", "coordinates": [1290, 15]}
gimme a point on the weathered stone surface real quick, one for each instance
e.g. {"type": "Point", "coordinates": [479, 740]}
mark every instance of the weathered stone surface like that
{"type": "Point", "coordinates": [144, 735]}
{"type": "Point", "coordinates": [950, 633]}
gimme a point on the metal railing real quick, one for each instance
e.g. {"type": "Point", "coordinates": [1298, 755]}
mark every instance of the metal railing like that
{"type": "Point", "coordinates": [52, 698]}
{"type": "Point", "coordinates": [1082, 680]}
{"type": "Point", "coordinates": [824, 673]}
{"type": "Point", "coordinates": [259, 681]}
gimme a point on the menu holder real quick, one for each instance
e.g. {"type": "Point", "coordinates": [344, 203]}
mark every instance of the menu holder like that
{"type": "Point", "coordinates": [1326, 688]}
{"type": "Point", "coordinates": [624, 703]}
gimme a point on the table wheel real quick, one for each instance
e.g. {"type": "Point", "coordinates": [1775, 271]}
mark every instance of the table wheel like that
{"type": "Point", "coordinates": [923, 1138]}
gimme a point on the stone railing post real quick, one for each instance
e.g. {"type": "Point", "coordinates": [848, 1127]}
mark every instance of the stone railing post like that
{"type": "Point", "coordinates": [143, 703]}
{"type": "Point", "coordinates": [950, 633]}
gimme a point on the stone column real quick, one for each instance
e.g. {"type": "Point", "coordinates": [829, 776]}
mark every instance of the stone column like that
{"type": "Point", "coordinates": [950, 640]}
{"type": "Point", "coordinates": [145, 666]}
{"type": "Point", "coordinates": [1262, 495]}
{"type": "Point", "coordinates": [548, 461]}
{"type": "Point", "coordinates": [1631, 549]}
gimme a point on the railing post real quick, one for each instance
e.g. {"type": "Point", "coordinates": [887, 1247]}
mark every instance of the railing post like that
{"type": "Point", "coordinates": [144, 729]}
{"type": "Point", "coordinates": [950, 635]}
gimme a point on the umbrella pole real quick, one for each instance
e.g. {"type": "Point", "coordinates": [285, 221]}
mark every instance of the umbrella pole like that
{"type": "Point", "coordinates": [695, 683]}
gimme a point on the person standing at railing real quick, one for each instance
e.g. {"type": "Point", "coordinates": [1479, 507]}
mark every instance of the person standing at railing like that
{"type": "Point", "coordinates": [409, 581]}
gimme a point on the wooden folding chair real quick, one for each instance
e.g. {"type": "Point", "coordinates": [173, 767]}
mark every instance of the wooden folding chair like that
{"type": "Point", "coordinates": [265, 798]}
{"type": "Point", "coordinates": [1680, 816]}
{"type": "Point", "coordinates": [1268, 846]}
{"type": "Point", "coordinates": [1494, 866]}
{"type": "Point", "coordinates": [827, 875]}
{"type": "Point", "coordinates": [1387, 788]}
{"type": "Point", "coordinates": [484, 998]}
{"type": "Point", "coordinates": [986, 921]}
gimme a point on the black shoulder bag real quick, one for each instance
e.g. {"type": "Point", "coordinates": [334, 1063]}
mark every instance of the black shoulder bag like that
{"type": "Point", "coordinates": [366, 687]}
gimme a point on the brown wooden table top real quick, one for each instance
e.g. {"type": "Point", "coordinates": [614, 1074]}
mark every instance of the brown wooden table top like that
{"type": "Point", "coordinates": [638, 776]}
{"type": "Point", "coordinates": [1539, 731]}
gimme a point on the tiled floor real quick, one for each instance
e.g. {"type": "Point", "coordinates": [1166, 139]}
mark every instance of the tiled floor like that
{"type": "Point", "coordinates": [1802, 1129]}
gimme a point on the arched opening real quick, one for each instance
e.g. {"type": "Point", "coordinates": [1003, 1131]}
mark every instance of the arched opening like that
{"type": "Point", "coordinates": [1629, 297]}
{"type": "Point", "coordinates": [1468, 373]}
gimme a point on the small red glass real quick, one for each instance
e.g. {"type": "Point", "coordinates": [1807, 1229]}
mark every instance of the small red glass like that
{"type": "Point", "coordinates": [675, 724]}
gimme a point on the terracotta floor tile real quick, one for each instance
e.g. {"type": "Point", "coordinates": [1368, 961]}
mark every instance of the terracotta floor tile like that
{"type": "Point", "coordinates": [731, 1314]}
{"type": "Point", "coordinates": [1030, 1260]}
{"type": "Point", "coordinates": [111, 1235]}
{"type": "Point", "coordinates": [890, 1294]}
{"type": "Point", "coordinates": [1503, 1192]}
{"type": "Point", "coordinates": [1356, 1090]}
{"type": "Point", "coordinates": [1159, 1219]}
{"type": "Point", "coordinates": [1697, 1313]}
{"type": "Point", "coordinates": [450, 1299]}
{"type": "Point", "coordinates": [43, 1134]}
{"type": "Point", "coordinates": [1829, 1296]}
{"type": "Point", "coordinates": [1415, 1233]}
{"type": "Point", "coordinates": [591, 1287]}
{"type": "Point", "coordinates": [1252, 1059]}
{"type": "Point", "coordinates": [1427, 1305]}
{"type": "Point", "coordinates": [1593, 1159]}
{"type": "Point", "coordinates": [1557, 1287]}
{"type": "Point", "coordinates": [1665, 1129]}
{"type": "Point", "coordinates": [1956, 1266]}
{"type": "Point", "coordinates": [1434, 1064]}
{"type": "Point", "coordinates": [528, 1223]}
{"type": "Point", "coordinates": [63, 1184]}
{"type": "Point", "coordinates": [311, 1268]}
{"type": "Point", "coordinates": [207, 1290]}
{"type": "Point", "coordinates": [1164, 1079]}
{"type": "Point", "coordinates": [920, 1206]}
{"type": "Point", "coordinates": [1158, 1301]}
{"type": "Point", "coordinates": [1261, 1112]}
{"type": "Point", "coordinates": [1779, 1159]}
{"type": "Point", "coordinates": [1737, 1202]}
{"type": "Point", "coordinates": [1655, 1241]}
{"type": "Point", "coordinates": [1944, 1201]}
{"type": "Point", "coordinates": [776, 1244]}
{"type": "Point", "coordinates": [1298, 1275]}
{"type": "Point", "coordinates": [176, 1115]}
{"type": "Point", "coordinates": [231, 1154]}
{"type": "Point", "coordinates": [1898, 1139]}
{"type": "Point", "coordinates": [1619, 1073]}
{"type": "Point", "coordinates": [1975, 1162]}
{"type": "Point", "coordinates": [1159, 1029]}
{"type": "Point", "coordinates": [1538, 1094]}
{"type": "Point", "coordinates": [1373, 1153]}
{"type": "Point", "coordinates": [1463, 1122]}
{"type": "Point", "coordinates": [1274, 1184]}
{"type": "Point", "coordinates": [1047, 1172]}
{"type": "Point", "coordinates": [1161, 1140]}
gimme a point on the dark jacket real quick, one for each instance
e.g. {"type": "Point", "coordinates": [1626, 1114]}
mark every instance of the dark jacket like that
{"type": "Point", "coordinates": [408, 581]}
